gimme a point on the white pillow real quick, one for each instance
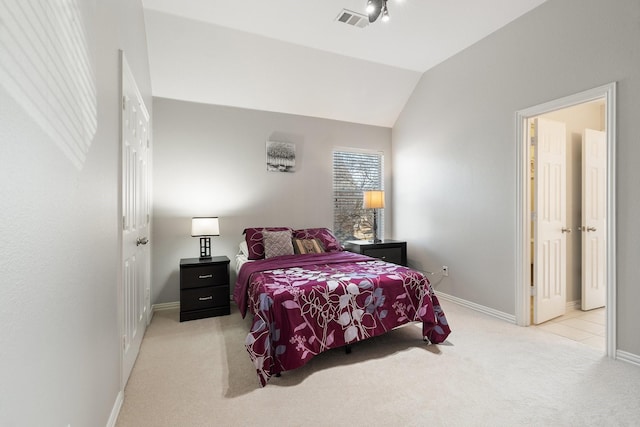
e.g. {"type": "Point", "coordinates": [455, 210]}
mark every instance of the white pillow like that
{"type": "Point", "coordinates": [277, 243]}
{"type": "Point", "coordinates": [244, 249]}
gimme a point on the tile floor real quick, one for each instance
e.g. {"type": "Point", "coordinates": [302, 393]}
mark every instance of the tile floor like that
{"type": "Point", "coordinates": [587, 327]}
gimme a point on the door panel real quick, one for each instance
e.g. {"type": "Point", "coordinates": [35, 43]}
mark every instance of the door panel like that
{"type": "Point", "coordinates": [550, 241]}
{"type": "Point", "coordinates": [594, 173]}
{"type": "Point", "coordinates": [135, 219]}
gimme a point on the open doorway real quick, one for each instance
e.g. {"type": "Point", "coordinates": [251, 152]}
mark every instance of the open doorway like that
{"type": "Point", "coordinates": [556, 260]}
{"type": "Point", "coordinates": [581, 289]}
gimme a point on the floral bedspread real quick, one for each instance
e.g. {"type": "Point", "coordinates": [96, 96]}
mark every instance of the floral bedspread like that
{"type": "Point", "coordinates": [305, 304]}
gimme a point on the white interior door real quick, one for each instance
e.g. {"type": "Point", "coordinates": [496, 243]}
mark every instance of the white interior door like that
{"type": "Point", "coordinates": [594, 176]}
{"type": "Point", "coordinates": [135, 218]}
{"type": "Point", "coordinates": [550, 227]}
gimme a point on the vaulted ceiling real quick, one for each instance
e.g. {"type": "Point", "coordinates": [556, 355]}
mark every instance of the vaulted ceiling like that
{"type": "Point", "coordinates": [295, 56]}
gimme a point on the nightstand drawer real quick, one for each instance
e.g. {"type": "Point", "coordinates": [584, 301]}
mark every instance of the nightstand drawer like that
{"type": "Point", "coordinates": [394, 251]}
{"type": "Point", "coordinates": [207, 297]}
{"type": "Point", "coordinates": [210, 275]}
{"type": "Point", "coordinates": [207, 312]}
{"type": "Point", "coordinates": [393, 255]}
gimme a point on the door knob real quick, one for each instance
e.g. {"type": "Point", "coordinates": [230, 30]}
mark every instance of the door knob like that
{"type": "Point", "coordinates": [141, 241]}
{"type": "Point", "coordinates": [566, 230]}
{"type": "Point", "coordinates": [591, 229]}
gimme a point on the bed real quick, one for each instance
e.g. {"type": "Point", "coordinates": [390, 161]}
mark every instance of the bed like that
{"type": "Point", "coordinates": [304, 302]}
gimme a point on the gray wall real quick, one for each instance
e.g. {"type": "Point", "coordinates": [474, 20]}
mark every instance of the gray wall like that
{"type": "Point", "coordinates": [59, 256]}
{"type": "Point", "coordinates": [210, 160]}
{"type": "Point", "coordinates": [454, 146]}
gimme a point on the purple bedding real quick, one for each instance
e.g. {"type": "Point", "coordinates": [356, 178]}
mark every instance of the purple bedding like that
{"type": "Point", "coordinates": [306, 304]}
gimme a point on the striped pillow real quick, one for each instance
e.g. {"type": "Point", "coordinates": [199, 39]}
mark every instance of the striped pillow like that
{"type": "Point", "coordinates": [307, 246]}
{"type": "Point", "coordinates": [329, 242]}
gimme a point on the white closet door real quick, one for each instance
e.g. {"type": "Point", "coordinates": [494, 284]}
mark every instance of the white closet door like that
{"type": "Point", "coordinates": [594, 181]}
{"type": "Point", "coordinates": [135, 216]}
{"type": "Point", "coordinates": [550, 225]}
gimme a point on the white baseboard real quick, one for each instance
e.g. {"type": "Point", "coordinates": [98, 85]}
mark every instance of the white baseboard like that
{"type": "Point", "coordinates": [165, 306]}
{"type": "Point", "coordinates": [511, 318]}
{"type": "Point", "coordinates": [116, 410]}
{"type": "Point", "coordinates": [574, 305]}
{"type": "Point", "coordinates": [634, 359]}
{"type": "Point", "coordinates": [623, 356]}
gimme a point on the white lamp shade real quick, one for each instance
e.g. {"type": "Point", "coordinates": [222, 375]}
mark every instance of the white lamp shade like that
{"type": "Point", "coordinates": [205, 226]}
{"type": "Point", "coordinates": [373, 199]}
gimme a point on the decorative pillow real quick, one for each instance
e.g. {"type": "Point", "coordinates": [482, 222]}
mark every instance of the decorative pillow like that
{"type": "Point", "coordinates": [277, 243]}
{"type": "Point", "coordinates": [253, 237]}
{"type": "Point", "coordinates": [326, 237]}
{"type": "Point", "coordinates": [307, 246]}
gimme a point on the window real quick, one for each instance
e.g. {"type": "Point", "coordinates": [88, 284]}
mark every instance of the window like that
{"type": "Point", "coordinates": [353, 173]}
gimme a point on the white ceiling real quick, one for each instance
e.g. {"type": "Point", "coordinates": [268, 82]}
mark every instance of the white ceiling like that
{"type": "Point", "coordinates": [293, 56]}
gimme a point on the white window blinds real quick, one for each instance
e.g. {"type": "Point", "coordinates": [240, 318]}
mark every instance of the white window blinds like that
{"type": "Point", "coordinates": [353, 173]}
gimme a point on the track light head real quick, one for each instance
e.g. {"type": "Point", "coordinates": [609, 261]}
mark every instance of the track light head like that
{"type": "Point", "coordinates": [375, 8]}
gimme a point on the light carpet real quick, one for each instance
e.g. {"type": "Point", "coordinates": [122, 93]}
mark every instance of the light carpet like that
{"type": "Point", "coordinates": [488, 373]}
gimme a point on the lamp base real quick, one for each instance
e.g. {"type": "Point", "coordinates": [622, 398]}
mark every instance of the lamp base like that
{"type": "Point", "coordinates": [205, 248]}
{"type": "Point", "coordinates": [375, 227]}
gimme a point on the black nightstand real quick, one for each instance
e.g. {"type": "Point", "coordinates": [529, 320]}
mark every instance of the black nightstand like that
{"type": "Point", "coordinates": [393, 251]}
{"type": "Point", "coordinates": [204, 287]}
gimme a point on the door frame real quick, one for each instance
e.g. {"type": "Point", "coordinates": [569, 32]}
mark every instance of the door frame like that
{"type": "Point", "coordinates": [523, 216]}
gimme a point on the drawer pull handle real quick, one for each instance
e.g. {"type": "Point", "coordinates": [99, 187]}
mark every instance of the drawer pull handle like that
{"type": "Point", "coordinates": [205, 276]}
{"type": "Point", "coordinates": [206, 298]}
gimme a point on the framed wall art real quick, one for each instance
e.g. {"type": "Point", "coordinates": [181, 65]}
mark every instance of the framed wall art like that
{"type": "Point", "coordinates": [281, 156]}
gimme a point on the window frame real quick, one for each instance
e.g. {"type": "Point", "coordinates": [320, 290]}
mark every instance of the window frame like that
{"type": "Point", "coordinates": [348, 213]}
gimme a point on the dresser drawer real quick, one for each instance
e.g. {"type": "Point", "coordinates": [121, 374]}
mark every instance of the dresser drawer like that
{"type": "Point", "coordinates": [207, 297]}
{"type": "Point", "coordinates": [393, 255]}
{"type": "Point", "coordinates": [210, 275]}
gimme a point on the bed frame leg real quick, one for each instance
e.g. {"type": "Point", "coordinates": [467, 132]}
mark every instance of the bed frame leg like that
{"type": "Point", "coordinates": [347, 349]}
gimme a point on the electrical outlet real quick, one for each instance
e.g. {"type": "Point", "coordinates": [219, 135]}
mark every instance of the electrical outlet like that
{"type": "Point", "coordinates": [445, 270]}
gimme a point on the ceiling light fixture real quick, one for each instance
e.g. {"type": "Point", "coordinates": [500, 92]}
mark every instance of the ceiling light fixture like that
{"type": "Point", "coordinates": [385, 13]}
{"type": "Point", "coordinates": [375, 8]}
{"type": "Point", "coordinates": [370, 7]}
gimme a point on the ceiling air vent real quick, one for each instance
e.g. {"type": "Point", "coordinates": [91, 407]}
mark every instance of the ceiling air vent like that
{"type": "Point", "coordinates": [353, 18]}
